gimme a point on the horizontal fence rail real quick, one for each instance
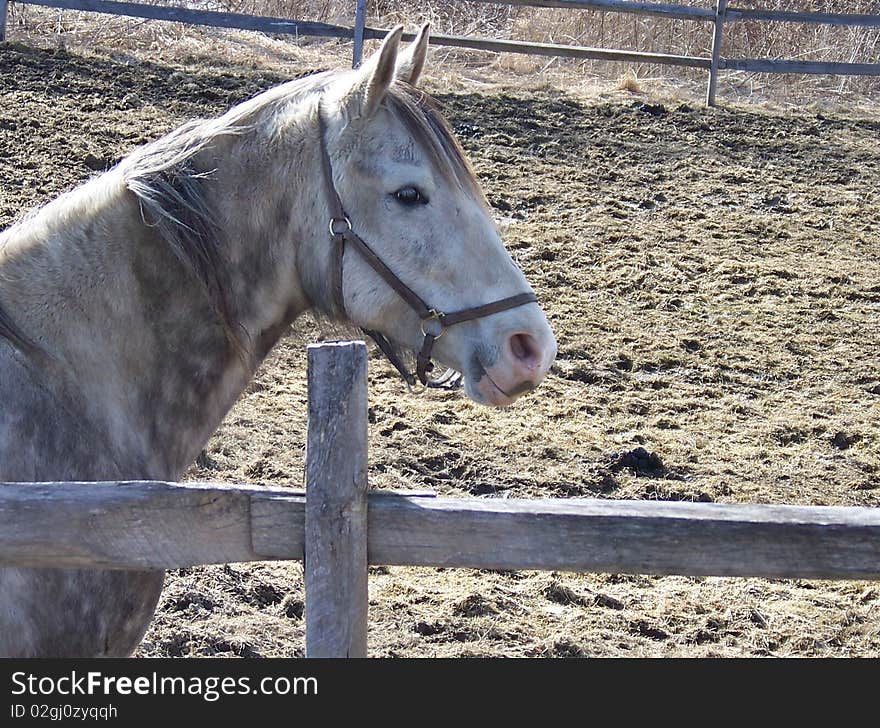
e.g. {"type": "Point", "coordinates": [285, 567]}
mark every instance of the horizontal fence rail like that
{"type": "Point", "coordinates": [303, 28]}
{"type": "Point", "coordinates": [157, 525]}
{"type": "Point", "coordinates": [862, 20]}
{"type": "Point", "coordinates": [770, 65]}
{"type": "Point", "coordinates": [209, 18]}
{"type": "Point", "coordinates": [683, 12]}
{"type": "Point", "coordinates": [660, 10]}
{"type": "Point", "coordinates": [551, 49]}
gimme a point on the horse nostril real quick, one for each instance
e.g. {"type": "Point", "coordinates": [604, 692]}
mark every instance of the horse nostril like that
{"type": "Point", "coordinates": [525, 350]}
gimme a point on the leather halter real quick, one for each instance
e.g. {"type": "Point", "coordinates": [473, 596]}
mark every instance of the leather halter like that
{"type": "Point", "coordinates": [433, 321]}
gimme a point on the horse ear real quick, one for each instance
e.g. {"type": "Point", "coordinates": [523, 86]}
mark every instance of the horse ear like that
{"type": "Point", "coordinates": [376, 75]}
{"type": "Point", "coordinates": [412, 60]}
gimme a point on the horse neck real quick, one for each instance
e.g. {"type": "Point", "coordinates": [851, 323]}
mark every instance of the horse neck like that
{"type": "Point", "coordinates": [134, 346]}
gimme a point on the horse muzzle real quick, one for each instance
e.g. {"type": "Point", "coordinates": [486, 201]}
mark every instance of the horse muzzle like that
{"type": "Point", "coordinates": [523, 361]}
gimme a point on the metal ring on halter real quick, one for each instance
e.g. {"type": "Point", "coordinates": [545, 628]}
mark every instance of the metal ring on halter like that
{"type": "Point", "coordinates": [344, 221]}
{"type": "Point", "coordinates": [433, 315]}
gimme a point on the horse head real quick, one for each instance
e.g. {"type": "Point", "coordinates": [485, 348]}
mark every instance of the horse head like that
{"type": "Point", "coordinates": [414, 252]}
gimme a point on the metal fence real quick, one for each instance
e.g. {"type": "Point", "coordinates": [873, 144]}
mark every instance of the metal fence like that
{"type": "Point", "coordinates": [343, 527]}
{"type": "Point", "coordinates": [714, 63]}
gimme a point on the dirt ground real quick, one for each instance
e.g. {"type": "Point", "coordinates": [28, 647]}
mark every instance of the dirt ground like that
{"type": "Point", "coordinates": [713, 280]}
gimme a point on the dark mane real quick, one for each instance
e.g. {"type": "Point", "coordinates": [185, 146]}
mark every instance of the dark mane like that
{"type": "Point", "coordinates": [173, 198]}
{"type": "Point", "coordinates": [10, 331]}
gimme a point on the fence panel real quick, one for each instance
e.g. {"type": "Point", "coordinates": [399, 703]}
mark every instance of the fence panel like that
{"type": "Point", "coordinates": [338, 528]}
{"type": "Point", "coordinates": [360, 32]}
{"type": "Point", "coordinates": [199, 17]}
{"type": "Point", "coordinates": [145, 525]}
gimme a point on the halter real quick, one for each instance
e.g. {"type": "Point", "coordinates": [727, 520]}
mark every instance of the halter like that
{"type": "Point", "coordinates": [433, 321]}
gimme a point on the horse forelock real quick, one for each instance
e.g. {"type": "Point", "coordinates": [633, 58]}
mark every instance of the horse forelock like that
{"type": "Point", "coordinates": [425, 122]}
{"type": "Point", "coordinates": [422, 119]}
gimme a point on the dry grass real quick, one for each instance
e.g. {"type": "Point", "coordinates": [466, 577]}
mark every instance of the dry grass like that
{"type": "Point", "coordinates": [629, 82]}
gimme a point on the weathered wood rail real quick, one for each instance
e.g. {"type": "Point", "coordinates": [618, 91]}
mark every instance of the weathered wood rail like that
{"type": "Point", "coordinates": [715, 63]}
{"type": "Point", "coordinates": [337, 527]}
{"type": "Point", "coordinates": [155, 525]}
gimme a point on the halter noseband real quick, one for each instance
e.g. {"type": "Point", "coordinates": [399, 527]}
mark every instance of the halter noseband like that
{"type": "Point", "coordinates": [433, 321]}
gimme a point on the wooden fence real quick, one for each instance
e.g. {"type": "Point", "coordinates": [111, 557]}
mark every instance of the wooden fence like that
{"type": "Point", "coordinates": [339, 527]}
{"type": "Point", "coordinates": [716, 17]}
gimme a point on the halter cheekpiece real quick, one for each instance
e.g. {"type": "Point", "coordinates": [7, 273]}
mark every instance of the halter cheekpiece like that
{"type": "Point", "coordinates": [433, 321]}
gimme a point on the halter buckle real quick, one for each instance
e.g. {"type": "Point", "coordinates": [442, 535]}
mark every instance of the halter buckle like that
{"type": "Point", "coordinates": [340, 225]}
{"type": "Point", "coordinates": [433, 315]}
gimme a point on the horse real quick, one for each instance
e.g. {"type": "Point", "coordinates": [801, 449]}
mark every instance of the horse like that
{"type": "Point", "coordinates": [135, 309]}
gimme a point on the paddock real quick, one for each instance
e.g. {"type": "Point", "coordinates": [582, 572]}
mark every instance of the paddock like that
{"type": "Point", "coordinates": [712, 279]}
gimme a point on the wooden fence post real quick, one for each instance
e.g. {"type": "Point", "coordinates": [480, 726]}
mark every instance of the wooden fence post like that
{"type": "Point", "coordinates": [3, 8]}
{"type": "Point", "coordinates": [336, 501]}
{"type": "Point", "coordinates": [720, 12]}
{"type": "Point", "coordinates": [360, 13]}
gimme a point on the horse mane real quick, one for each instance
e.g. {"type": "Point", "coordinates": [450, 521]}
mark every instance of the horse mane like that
{"type": "Point", "coordinates": [173, 196]}
{"type": "Point", "coordinates": [10, 331]}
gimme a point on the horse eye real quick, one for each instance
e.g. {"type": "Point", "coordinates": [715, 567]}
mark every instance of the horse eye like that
{"type": "Point", "coordinates": [410, 196]}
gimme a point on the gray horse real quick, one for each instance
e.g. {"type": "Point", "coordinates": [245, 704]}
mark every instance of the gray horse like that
{"type": "Point", "coordinates": [135, 309]}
